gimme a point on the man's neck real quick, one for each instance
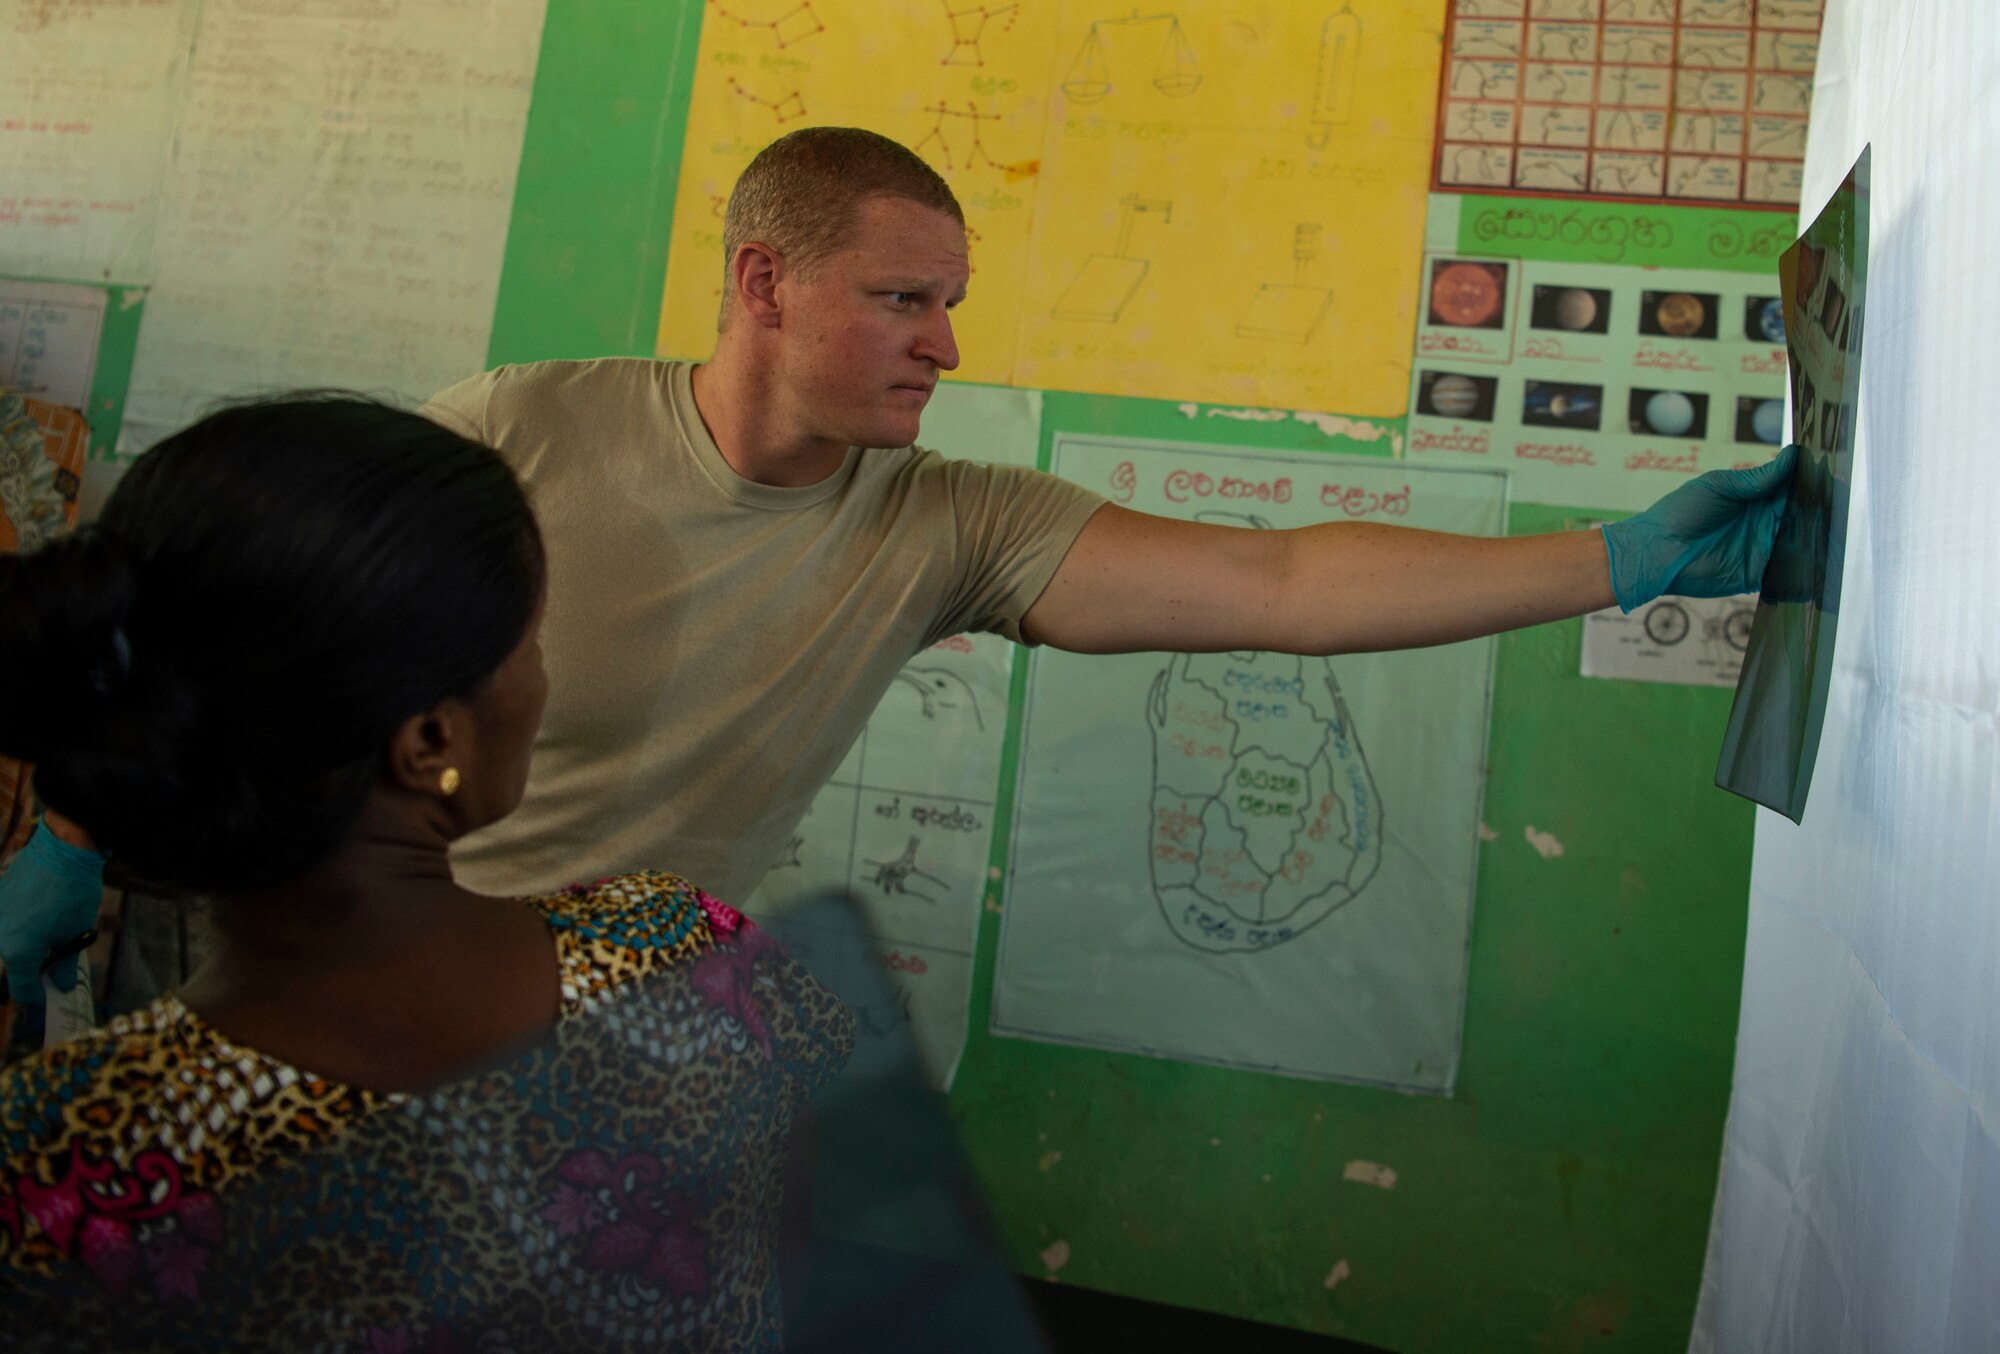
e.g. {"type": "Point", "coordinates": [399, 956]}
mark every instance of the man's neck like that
{"type": "Point", "coordinates": [753, 431]}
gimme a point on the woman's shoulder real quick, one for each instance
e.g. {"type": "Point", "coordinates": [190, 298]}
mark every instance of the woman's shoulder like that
{"type": "Point", "coordinates": [122, 1122]}
{"type": "Point", "coordinates": [632, 925]}
{"type": "Point", "coordinates": [43, 1096]}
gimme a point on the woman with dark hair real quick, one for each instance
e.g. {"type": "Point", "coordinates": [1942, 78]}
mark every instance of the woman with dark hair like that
{"type": "Point", "coordinates": [295, 659]}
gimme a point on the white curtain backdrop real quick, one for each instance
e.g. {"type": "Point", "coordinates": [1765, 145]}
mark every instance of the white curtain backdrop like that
{"type": "Point", "coordinates": [1859, 1201]}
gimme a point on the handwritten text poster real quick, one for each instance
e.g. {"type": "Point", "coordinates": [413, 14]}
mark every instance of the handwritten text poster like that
{"type": "Point", "coordinates": [338, 204]}
{"type": "Point", "coordinates": [89, 100]}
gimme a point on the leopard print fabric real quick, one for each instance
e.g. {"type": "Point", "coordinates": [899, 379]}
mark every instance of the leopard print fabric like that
{"type": "Point", "coordinates": [617, 1186]}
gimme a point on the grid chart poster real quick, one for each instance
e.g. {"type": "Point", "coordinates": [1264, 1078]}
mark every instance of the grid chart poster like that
{"type": "Point", "coordinates": [1694, 100]}
{"type": "Point", "coordinates": [1252, 860]}
{"type": "Point", "coordinates": [1597, 386]}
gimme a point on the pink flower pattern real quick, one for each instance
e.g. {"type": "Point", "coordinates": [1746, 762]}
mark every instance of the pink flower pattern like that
{"type": "Point", "coordinates": [120, 1222]}
{"type": "Point", "coordinates": [394, 1339]}
{"type": "Point", "coordinates": [726, 977]}
{"type": "Point", "coordinates": [642, 1227]}
{"type": "Point", "coordinates": [639, 1227]}
{"type": "Point", "coordinates": [723, 919]}
{"type": "Point", "coordinates": [571, 1210]}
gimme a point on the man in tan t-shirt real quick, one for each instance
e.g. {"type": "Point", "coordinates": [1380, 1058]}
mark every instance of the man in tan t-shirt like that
{"type": "Point", "coordinates": [742, 554]}
{"type": "Point", "coordinates": [715, 641]}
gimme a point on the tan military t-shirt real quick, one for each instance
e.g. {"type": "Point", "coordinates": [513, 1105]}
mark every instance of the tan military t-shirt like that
{"type": "Point", "coordinates": [714, 646]}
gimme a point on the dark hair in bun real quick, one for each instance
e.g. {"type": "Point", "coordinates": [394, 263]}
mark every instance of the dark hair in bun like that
{"type": "Point", "coordinates": [207, 679]}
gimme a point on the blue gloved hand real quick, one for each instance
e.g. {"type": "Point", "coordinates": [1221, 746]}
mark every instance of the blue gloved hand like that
{"type": "Point", "coordinates": [48, 897]}
{"type": "Point", "coordinates": [1709, 538]}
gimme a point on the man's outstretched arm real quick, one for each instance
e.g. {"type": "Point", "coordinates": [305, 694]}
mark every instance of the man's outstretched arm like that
{"type": "Point", "coordinates": [1136, 582]}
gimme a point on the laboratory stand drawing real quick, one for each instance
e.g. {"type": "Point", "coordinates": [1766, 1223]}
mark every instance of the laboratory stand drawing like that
{"type": "Point", "coordinates": [1265, 817]}
{"type": "Point", "coordinates": [1104, 285]}
{"type": "Point", "coordinates": [1334, 75]}
{"type": "Point", "coordinates": [1289, 311]}
{"type": "Point", "coordinates": [968, 28]}
{"type": "Point", "coordinates": [794, 24]}
{"type": "Point", "coordinates": [1176, 73]}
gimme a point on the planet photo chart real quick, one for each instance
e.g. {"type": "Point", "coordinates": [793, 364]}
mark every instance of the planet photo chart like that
{"type": "Point", "coordinates": [1468, 295]}
{"type": "Point", "coordinates": [1454, 396]}
{"type": "Point", "coordinates": [1669, 413]}
{"type": "Point", "coordinates": [1679, 314]}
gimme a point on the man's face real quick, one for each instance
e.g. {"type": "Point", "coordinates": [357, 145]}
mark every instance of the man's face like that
{"type": "Point", "coordinates": [865, 338]}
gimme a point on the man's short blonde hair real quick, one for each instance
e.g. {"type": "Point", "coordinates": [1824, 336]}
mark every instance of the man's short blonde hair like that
{"type": "Point", "coordinates": [802, 195]}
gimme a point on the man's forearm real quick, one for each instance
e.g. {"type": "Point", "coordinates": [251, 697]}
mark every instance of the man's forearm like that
{"type": "Point", "coordinates": [1356, 587]}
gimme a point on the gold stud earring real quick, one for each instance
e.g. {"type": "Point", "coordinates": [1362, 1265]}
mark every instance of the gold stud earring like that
{"type": "Point", "coordinates": [448, 782]}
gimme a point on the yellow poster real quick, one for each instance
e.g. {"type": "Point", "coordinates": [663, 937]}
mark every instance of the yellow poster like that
{"type": "Point", "coordinates": [1220, 202]}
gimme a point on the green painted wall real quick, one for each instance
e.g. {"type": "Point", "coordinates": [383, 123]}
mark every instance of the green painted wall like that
{"type": "Point", "coordinates": [1560, 1199]}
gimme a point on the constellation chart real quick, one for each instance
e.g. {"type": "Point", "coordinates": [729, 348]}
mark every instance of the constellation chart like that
{"type": "Point", "coordinates": [795, 23]}
{"type": "Point", "coordinates": [968, 25]}
{"type": "Point", "coordinates": [954, 140]}
{"type": "Point", "coordinates": [1105, 156]}
{"type": "Point", "coordinates": [1700, 100]}
{"type": "Point", "coordinates": [784, 108]}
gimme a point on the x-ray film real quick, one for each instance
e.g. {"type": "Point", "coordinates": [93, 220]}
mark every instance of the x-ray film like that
{"type": "Point", "coordinates": [1774, 724]}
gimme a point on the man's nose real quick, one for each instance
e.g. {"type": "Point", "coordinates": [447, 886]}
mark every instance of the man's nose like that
{"type": "Point", "coordinates": [936, 344]}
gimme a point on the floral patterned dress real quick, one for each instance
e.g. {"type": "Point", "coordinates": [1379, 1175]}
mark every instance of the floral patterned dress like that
{"type": "Point", "coordinates": [615, 1186]}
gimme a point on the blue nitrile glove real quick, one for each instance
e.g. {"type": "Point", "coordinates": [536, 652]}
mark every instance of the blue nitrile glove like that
{"type": "Point", "coordinates": [48, 896]}
{"type": "Point", "coordinates": [1709, 538]}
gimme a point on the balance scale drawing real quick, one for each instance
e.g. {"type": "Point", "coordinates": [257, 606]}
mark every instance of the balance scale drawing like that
{"type": "Point", "coordinates": [1175, 72]}
{"type": "Point", "coordinates": [1105, 283]}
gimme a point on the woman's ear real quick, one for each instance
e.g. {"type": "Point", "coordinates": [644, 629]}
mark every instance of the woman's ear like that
{"type": "Point", "coordinates": [428, 751]}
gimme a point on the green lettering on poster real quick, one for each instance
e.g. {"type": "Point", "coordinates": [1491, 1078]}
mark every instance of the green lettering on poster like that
{"type": "Point", "coordinates": [1639, 234]}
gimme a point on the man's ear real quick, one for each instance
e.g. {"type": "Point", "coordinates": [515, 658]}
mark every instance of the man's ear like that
{"type": "Point", "coordinates": [426, 746]}
{"type": "Point", "coordinates": [756, 271]}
